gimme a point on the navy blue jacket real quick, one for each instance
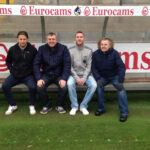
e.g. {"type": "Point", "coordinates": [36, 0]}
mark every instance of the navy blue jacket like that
{"type": "Point", "coordinates": [108, 64]}
{"type": "Point", "coordinates": [55, 63]}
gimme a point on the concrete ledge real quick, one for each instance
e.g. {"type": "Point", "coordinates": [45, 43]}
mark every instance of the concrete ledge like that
{"type": "Point", "coordinates": [130, 86]}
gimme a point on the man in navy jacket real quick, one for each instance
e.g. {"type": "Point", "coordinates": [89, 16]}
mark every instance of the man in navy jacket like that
{"type": "Point", "coordinates": [108, 67]}
{"type": "Point", "coordinates": [54, 58]}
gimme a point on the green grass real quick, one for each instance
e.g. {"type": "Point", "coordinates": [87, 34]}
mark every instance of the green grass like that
{"type": "Point", "coordinates": [53, 131]}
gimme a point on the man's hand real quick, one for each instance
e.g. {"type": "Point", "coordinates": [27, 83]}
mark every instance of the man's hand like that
{"type": "Point", "coordinates": [100, 83]}
{"type": "Point", "coordinates": [62, 83]}
{"type": "Point", "coordinates": [40, 83]}
{"type": "Point", "coordinates": [80, 81]}
{"type": "Point", "coordinates": [120, 86]}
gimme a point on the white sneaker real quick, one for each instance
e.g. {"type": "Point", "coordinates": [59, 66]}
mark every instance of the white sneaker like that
{"type": "Point", "coordinates": [73, 111]}
{"type": "Point", "coordinates": [84, 111]}
{"type": "Point", "coordinates": [10, 110]}
{"type": "Point", "coordinates": [32, 110]}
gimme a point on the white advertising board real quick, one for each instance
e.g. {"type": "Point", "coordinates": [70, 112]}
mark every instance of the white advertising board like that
{"type": "Point", "coordinates": [136, 56]}
{"type": "Point", "coordinates": [91, 11]}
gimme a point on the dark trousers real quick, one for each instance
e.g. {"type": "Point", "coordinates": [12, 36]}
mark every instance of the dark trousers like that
{"type": "Point", "coordinates": [11, 81]}
{"type": "Point", "coordinates": [122, 97]}
{"type": "Point", "coordinates": [62, 92]}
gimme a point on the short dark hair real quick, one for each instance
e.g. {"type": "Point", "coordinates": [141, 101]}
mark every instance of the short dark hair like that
{"type": "Point", "coordinates": [79, 32]}
{"type": "Point", "coordinates": [51, 34]}
{"type": "Point", "coordinates": [23, 33]}
{"type": "Point", "coordinates": [106, 39]}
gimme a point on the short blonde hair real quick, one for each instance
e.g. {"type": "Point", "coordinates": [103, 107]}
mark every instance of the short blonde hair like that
{"type": "Point", "coordinates": [79, 32]}
{"type": "Point", "coordinates": [106, 39]}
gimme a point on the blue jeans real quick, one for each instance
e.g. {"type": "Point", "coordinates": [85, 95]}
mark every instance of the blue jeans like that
{"type": "Point", "coordinates": [122, 98]}
{"type": "Point", "coordinates": [91, 84]}
{"type": "Point", "coordinates": [11, 81]}
{"type": "Point", "coordinates": [62, 92]}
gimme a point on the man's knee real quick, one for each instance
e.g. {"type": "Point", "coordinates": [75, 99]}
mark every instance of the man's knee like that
{"type": "Point", "coordinates": [119, 86]}
{"type": "Point", "coordinates": [94, 85]}
{"type": "Point", "coordinates": [70, 83]}
{"type": "Point", "coordinates": [41, 89]}
{"type": "Point", "coordinates": [32, 87]}
{"type": "Point", "coordinates": [64, 89]}
{"type": "Point", "coordinates": [5, 86]}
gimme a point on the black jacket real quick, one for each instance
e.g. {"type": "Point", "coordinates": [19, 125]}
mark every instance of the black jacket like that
{"type": "Point", "coordinates": [20, 63]}
{"type": "Point", "coordinates": [55, 63]}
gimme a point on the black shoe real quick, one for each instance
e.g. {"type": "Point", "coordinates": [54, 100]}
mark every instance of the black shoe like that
{"type": "Point", "coordinates": [98, 113]}
{"type": "Point", "coordinates": [60, 109]}
{"type": "Point", "coordinates": [45, 110]}
{"type": "Point", "coordinates": [123, 118]}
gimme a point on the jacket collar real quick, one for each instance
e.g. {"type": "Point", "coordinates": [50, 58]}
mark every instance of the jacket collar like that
{"type": "Point", "coordinates": [107, 52]}
{"type": "Point", "coordinates": [53, 49]}
{"type": "Point", "coordinates": [28, 45]}
{"type": "Point", "coordinates": [79, 48]}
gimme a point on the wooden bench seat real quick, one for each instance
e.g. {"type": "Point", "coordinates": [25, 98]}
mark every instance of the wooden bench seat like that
{"type": "Point", "coordinates": [128, 80]}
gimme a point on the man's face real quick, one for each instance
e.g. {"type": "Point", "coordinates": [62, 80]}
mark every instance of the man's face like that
{"type": "Point", "coordinates": [51, 40]}
{"type": "Point", "coordinates": [79, 39]}
{"type": "Point", "coordinates": [22, 40]}
{"type": "Point", "coordinates": [105, 45]}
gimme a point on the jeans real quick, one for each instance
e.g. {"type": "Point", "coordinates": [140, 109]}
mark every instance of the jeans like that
{"type": "Point", "coordinates": [122, 98]}
{"type": "Point", "coordinates": [90, 83]}
{"type": "Point", "coordinates": [11, 81]}
{"type": "Point", "coordinates": [62, 92]}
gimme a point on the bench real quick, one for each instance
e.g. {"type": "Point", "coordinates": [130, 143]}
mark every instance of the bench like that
{"type": "Point", "coordinates": [131, 84]}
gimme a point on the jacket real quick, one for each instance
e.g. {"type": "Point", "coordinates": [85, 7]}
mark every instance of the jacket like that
{"type": "Point", "coordinates": [108, 64]}
{"type": "Point", "coordinates": [81, 59]}
{"type": "Point", "coordinates": [20, 63]}
{"type": "Point", "coordinates": [55, 63]}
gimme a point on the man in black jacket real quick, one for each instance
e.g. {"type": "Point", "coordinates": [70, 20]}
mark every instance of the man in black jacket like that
{"type": "Point", "coordinates": [20, 64]}
{"type": "Point", "coordinates": [108, 67]}
{"type": "Point", "coordinates": [56, 64]}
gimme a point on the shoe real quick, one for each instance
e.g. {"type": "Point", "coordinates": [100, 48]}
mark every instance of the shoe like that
{"type": "Point", "coordinates": [32, 110]}
{"type": "Point", "coordinates": [98, 113]}
{"type": "Point", "coordinates": [45, 110]}
{"type": "Point", "coordinates": [123, 118]}
{"type": "Point", "coordinates": [60, 109]}
{"type": "Point", "coordinates": [11, 109]}
{"type": "Point", "coordinates": [84, 111]}
{"type": "Point", "coordinates": [73, 111]}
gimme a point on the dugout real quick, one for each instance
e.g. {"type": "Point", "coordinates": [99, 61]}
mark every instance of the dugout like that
{"type": "Point", "coordinates": [131, 34]}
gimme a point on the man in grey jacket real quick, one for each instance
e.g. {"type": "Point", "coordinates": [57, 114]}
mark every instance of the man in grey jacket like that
{"type": "Point", "coordinates": [81, 57]}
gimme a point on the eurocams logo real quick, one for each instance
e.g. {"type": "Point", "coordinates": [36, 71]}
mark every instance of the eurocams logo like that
{"type": "Point", "coordinates": [145, 11]}
{"type": "Point", "coordinates": [3, 54]}
{"type": "Point", "coordinates": [23, 10]}
{"type": "Point", "coordinates": [77, 11]}
{"type": "Point", "coordinates": [87, 11]}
